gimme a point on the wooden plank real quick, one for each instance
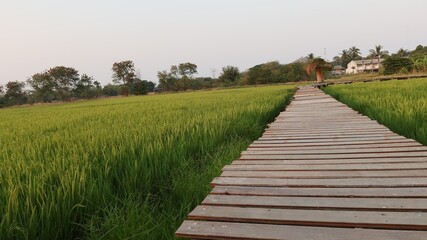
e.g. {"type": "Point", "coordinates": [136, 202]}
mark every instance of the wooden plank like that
{"type": "Point", "coordinates": [328, 143]}
{"type": "Point", "coordinates": [333, 156]}
{"type": "Point", "coordinates": [346, 183]}
{"type": "Point", "coordinates": [252, 231]}
{"type": "Point", "coordinates": [326, 203]}
{"type": "Point", "coordinates": [332, 140]}
{"type": "Point", "coordinates": [276, 147]}
{"type": "Point", "coordinates": [301, 134]}
{"type": "Point", "coordinates": [327, 167]}
{"type": "Point", "coordinates": [364, 219]}
{"type": "Point", "coordinates": [326, 174]}
{"type": "Point", "coordinates": [327, 161]}
{"type": "Point", "coordinates": [335, 137]}
{"type": "Point", "coordinates": [395, 192]}
{"type": "Point", "coordinates": [263, 151]}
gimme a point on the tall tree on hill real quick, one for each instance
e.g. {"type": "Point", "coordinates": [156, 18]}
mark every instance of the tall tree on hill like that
{"type": "Point", "coordinates": [318, 65]}
{"type": "Point", "coordinates": [310, 56]}
{"type": "Point", "coordinates": [124, 72]}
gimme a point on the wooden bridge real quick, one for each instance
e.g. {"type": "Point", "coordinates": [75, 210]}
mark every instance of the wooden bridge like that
{"type": "Point", "coordinates": [320, 171]}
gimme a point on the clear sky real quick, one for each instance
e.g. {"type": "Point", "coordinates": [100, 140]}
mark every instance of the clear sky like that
{"type": "Point", "coordinates": [90, 35]}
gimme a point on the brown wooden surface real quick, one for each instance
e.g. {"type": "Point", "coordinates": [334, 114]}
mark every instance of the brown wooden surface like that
{"type": "Point", "coordinates": [320, 171]}
{"type": "Point", "coordinates": [251, 231]}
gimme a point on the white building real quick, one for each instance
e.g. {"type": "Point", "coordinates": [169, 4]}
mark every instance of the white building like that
{"type": "Point", "coordinates": [367, 65]}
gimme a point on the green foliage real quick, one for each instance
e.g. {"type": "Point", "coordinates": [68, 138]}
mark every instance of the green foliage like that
{"type": "Point", "coordinates": [274, 72]}
{"type": "Point", "coordinates": [229, 74]}
{"type": "Point", "coordinates": [399, 105]}
{"type": "Point", "coordinates": [124, 72]}
{"type": "Point", "coordinates": [61, 83]}
{"type": "Point", "coordinates": [15, 94]}
{"type": "Point", "coordinates": [139, 87]}
{"type": "Point", "coordinates": [419, 52]}
{"type": "Point", "coordinates": [396, 64]}
{"type": "Point", "coordinates": [111, 90]}
{"type": "Point", "coordinates": [122, 167]}
{"type": "Point", "coordinates": [179, 78]}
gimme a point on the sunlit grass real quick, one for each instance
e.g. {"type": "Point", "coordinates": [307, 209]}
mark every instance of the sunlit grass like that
{"type": "Point", "coordinates": [399, 105]}
{"type": "Point", "coordinates": [122, 167]}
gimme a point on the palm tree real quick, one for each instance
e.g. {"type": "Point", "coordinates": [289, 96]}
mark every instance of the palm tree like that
{"type": "Point", "coordinates": [402, 52]}
{"type": "Point", "coordinates": [354, 52]}
{"type": "Point", "coordinates": [378, 52]}
{"type": "Point", "coordinates": [318, 65]}
{"type": "Point", "coordinates": [345, 57]}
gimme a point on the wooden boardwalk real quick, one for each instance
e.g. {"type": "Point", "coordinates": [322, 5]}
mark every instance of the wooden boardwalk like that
{"type": "Point", "coordinates": [320, 171]}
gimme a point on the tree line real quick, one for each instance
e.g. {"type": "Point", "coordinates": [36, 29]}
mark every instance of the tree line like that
{"type": "Point", "coordinates": [402, 61]}
{"type": "Point", "coordinates": [66, 84]}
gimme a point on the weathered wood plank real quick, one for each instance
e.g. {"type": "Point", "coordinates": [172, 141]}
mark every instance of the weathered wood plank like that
{"type": "Point", "coordinates": [334, 161]}
{"type": "Point", "coordinates": [326, 203]}
{"type": "Point", "coordinates": [326, 174]}
{"type": "Point", "coordinates": [333, 151]}
{"type": "Point", "coordinates": [395, 192]}
{"type": "Point", "coordinates": [328, 143]}
{"type": "Point", "coordinates": [252, 231]}
{"type": "Point", "coordinates": [327, 167]}
{"type": "Point", "coordinates": [335, 137]}
{"type": "Point", "coordinates": [278, 147]}
{"type": "Point", "coordinates": [346, 183]}
{"type": "Point", "coordinates": [333, 156]}
{"type": "Point", "coordinates": [365, 219]}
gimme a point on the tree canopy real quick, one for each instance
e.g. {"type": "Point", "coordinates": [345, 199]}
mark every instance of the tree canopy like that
{"type": "Point", "coordinates": [319, 66]}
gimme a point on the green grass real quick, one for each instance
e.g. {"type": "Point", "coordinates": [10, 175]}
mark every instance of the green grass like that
{"type": "Point", "coordinates": [122, 168]}
{"type": "Point", "coordinates": [399, 105]}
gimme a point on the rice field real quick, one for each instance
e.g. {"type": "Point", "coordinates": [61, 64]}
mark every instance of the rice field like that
{"type": "Point", "coordinates": [399, 105]}
{"type": "Point", "coordinates": [122, 168]}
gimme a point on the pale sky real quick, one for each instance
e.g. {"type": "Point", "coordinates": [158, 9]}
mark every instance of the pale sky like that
{"type": "Point", "coordinates": [90, 35]}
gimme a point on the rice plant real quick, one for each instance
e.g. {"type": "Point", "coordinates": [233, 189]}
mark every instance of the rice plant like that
{"type": "Point", "coordinates": [122, 167]}
{"type": "Point", "coordinates": [399, 105]}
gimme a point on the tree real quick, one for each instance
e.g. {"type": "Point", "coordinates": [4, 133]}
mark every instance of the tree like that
{"type": "Point", "coordinates": [345, 57]}
{"type": "Point", "coordinates": [65, 78]}
{"type": "Point", "coordinates": [378, 52]}
{"type": "Point", "coordinates": [1, 89]}
{"type": "Point", "coordinates": [187, 69]}
{"type": "Point", "coordinates": [84, 87]}
{"type": "Point", "coordinates": [319, 66]}
{"type": "Point", "coordinates": [15, 93]}
{"type": "Point", "coordinates": [354, 53]}
{"type": "Point", "coordinates": [178, 78]}
{"type": "Point", "coordinates": [167, 80]}
{"type": "Point", "coordinates": [111, 90]}
{"type": "Point", "coordinates": [124, 72]}
{"type": "Point", "coordinates": [396, 64]}
{"type": "Point", "coordinates": [54, 84]}
{"type": "Point", "coordinates": [139, 87]}
{"type": "Point", "coordinates": [310, 56]}
{"type": "Point", "coordinates": [229, 74]}
{"type": "Point", "coordinates": [402, 52]}
{"type": "Point", "coordinates": [150, 85]}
